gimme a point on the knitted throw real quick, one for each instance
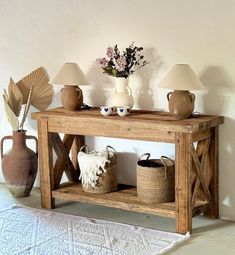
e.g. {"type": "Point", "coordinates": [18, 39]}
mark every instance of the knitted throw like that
{"type": "Point", "coordinates": [91, 166]}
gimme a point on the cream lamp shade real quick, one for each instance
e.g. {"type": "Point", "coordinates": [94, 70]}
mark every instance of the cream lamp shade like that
{"type": "Point", "coordinates": [70, 74]}
{"type": "Point", "coordinates": [181, 77]}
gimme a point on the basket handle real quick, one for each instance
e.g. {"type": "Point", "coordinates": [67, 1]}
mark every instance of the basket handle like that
{"type": "Point", "coordinates": [111, 149]}
{"type": "Point", "coordinates": [165, 164]}
{"type": "Point", "coordinates": [84, 148]}
{"type": "Point", "coordinates": [145, 154]}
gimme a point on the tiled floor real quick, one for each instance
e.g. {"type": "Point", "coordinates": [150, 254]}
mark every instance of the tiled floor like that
{"type": "Point", "coordinates": [209, 237]}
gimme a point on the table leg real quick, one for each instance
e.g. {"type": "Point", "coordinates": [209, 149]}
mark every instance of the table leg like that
{"type": "Point", "coordinates": [78, 142]}
{"type": "Point", "coordinates": [183, 197]}
{"type": "Point", "coordinates": [213, 211]}
{"type": "Point", "coordinates": [46, 165]}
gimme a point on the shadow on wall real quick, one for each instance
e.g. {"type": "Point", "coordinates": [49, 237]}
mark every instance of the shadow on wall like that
{"type": "Point", "coordinates": [144, 94]}
{"type": "Point", "coordinates": [56, 102]}
{"type": "Point", "coordinates": [126, 167]}
{"type": "Point", "coordinates": [226, 168]}
{"type": "Point", "coordinates": [217, 101]}
{"type": "Point", "coordinates": [102, 84]}
{"type": "Point", "coordinates": [97, 94]}
{"type": "Point", "coordinates": [219, 87]}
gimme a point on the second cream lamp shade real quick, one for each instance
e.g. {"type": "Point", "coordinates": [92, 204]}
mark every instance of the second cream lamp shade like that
{"type": "Point", "coordinates": [70, 75]}
{"type": "Point", "coordinates": [181, 78]}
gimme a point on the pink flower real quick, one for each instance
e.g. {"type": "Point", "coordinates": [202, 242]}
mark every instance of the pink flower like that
{"type": "Point", "coordinates": [103, 62]}
{"type": "Point", "coordinates": [121, 63]}
{"type": "Point", "coordinates": [110, 52]}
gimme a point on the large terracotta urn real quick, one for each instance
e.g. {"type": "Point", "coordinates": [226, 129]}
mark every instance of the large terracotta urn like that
{"type": "Point", "coordinates": [123, 94]}
{"type": "Point", "coordinates": [20, 164]}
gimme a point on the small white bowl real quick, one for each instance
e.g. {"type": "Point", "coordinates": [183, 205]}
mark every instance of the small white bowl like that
{"type": "Point", "coordinates": [106, 110]}
{"type": "Point", "coordinates": [123, 110]}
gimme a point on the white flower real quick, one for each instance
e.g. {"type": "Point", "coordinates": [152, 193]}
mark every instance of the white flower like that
{"type": "Point", "coordinates": [121, 63]}
{"type": "Point", "coordinates": [103, 62]}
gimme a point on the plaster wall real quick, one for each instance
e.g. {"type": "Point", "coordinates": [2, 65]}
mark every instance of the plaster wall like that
{"type": "Point", "coordinates": [200, 33]}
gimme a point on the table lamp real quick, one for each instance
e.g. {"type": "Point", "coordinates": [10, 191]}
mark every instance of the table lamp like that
{"type": "Point", "coordinates": [181, 78]}
{"type": "Point", "coordinates": [70, 75]}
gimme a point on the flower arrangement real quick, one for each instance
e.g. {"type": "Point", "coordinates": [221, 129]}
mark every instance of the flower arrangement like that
{"type": "Point", "coordinates": [123, 64]}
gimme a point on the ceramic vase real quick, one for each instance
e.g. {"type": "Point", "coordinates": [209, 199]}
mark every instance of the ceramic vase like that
{"type": "Point", "coordinates": [20, 164]}
{"type": "Point", "coordinates": [71, 97]}
{"type": "Point", "coordinates": [123, 94]}
{"type": "Point", "coordinates": [181, 103]}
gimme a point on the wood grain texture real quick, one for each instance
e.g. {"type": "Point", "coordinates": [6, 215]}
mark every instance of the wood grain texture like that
{"type": "Point", "coordinates": [213, 211]}
{"type": "Point", "coordinates": [60, 164]}
{"type": "Point", "coordinates": [124, 199]}
{"type": "Point", "coordinates": [202, 154]}
{"type": "Point", "coordinates": [201, 135]}
{"type": "Point", "coordinates": [78, 142]}
{"type": "Point", "coordinates": [183, 198]}
{"type": "Point", "coordinates": [142, 125]}
{"type": "Point", "coordinates": [45, 165]}
{"type": "Point", "coordinates": [132, 126]}
{"type": "Point", "coordinates": [199, 171]}
{"type": "Point", "coordinates": [63, 153]}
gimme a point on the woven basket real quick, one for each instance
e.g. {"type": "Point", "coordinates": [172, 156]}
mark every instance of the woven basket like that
{"type": "Point", "coordinates": [107, 181]}
{"type": "Point", "coordinates": [155, 180]}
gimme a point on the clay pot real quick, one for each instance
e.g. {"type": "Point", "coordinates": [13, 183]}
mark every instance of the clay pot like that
{"type": "Point", "coordinates": [71, 97]}
{"type": "Point", "coordinates": [181, 103]}
{"type": "Point", "coordinates": [20, 164]}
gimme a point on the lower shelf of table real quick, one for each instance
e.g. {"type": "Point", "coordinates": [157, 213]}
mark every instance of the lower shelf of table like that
{"type": "Point", "coordinates": [124, 198]}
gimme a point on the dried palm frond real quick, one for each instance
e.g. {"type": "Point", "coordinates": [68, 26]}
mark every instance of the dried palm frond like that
{"type": "Point", "coordinates": [15, 97]}
{"type": "Point", "coordinates": [42, 92]}
{"type": "Point", "coordinates": [6, 96]}
{"type": "Point", "coordinates": [12, 118]}
{"type": "Point", "coordinates": [26, 109]}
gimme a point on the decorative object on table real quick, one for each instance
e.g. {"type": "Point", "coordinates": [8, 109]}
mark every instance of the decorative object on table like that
{"type": "Point", "coordinates": [71, 75]}
{"type": "Point", "coordinates": [19, 165]}
{"type": "Point", "coordinates": [98, 170]}
{"type": "Point", "coordinates": [123, 94]}
{"type": "Point", "coordinates": [42, 92]}
{"type": "Point", "coordinates": [121, 66]}
{"type": "Point", "coordinates": [123, 110]}
{"type": "Point", "coordinates": [106, 110]}
{"type": "Point", "coordinates": [181, 78]}
{"type": "Point", "coordinates": [155, 179]}
{"type": "Point", "coordinates": [27, 230]}
{"type": "Point", "coordinates": [86, 107]}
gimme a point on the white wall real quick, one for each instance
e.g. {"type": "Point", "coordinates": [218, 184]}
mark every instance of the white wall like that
{"type": "Point", "coordinates": [199, 32]}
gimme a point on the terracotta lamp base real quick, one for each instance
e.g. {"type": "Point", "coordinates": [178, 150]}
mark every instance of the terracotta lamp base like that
{"type": "Point", "coordinates": [181, 103]}
{"type": "Point", "coordinates": [71, 97]}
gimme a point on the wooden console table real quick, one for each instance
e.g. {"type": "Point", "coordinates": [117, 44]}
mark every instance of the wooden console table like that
{"type": "Point", "coordinates": [196, 164]}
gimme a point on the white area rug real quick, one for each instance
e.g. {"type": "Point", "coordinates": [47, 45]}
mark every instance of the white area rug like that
{"type": "Point", "coordinates": [28, 231]}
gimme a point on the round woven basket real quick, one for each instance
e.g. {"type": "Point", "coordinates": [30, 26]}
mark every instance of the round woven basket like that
{"type": "Point", "coordinates": [155, 180]}
{"type": "Point", "coordinates": [107, 181]}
